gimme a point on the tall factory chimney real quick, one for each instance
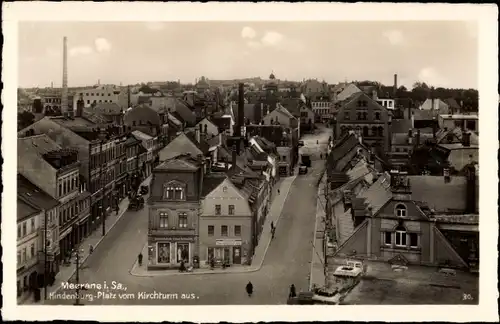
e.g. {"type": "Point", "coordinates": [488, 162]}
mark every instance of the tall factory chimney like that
{"type": "Point", "coordinates": [395, 89]}
{"type": "Point", "coordinates": [64, 98]}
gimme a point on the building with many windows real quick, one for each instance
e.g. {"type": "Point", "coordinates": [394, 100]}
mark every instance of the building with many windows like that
{"type": "Point", "coordinates": [225, 222]}
{"type": "Point", "coordinates": [173, 207]}
{"type": "Point", "coordinates": [96, 95]}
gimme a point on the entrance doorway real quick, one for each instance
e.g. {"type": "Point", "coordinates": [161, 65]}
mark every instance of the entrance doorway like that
{"type": "Point", "coordinates": [236, 255]}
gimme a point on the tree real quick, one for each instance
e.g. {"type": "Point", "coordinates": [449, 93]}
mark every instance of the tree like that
{"type": "Point", "coordinates": [25, 119]}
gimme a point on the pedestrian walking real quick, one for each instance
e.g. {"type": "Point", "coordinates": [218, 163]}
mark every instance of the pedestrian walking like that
{"type": "Point", "coordinates": [320, 156]}
{"type": "Point", "coordinates": [91, 249]}
{"type": "Point", "coordinates": [139, 258]}
{"type": "Point", "coordinates": [278, 191]}
{"type": "Point", "coordinates": [272, 226]}
{"type": "Point", "coordinates": [292, 293]}
{"type": "Point", "coordinates": [272, 233]}
{"type": "Point", "coordinates": [249, 289]}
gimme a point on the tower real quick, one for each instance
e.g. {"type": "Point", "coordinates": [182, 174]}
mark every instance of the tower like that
{"type": "Point", "coordinates": [64, 98]}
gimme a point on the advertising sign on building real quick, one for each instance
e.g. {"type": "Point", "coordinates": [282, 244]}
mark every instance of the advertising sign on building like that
{"type": "Point", "coordinates": [228, 242]}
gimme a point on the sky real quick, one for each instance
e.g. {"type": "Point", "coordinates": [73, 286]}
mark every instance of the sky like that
{"type": "Point", "coordinates": [440, 53]}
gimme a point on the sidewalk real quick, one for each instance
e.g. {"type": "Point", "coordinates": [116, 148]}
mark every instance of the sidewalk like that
{"type": "Point", "coordinates": [317, 275]}
{"type": "Point", "coordinates": [277, 203]}
{"type": "Point", "coordinates": [66, 272]}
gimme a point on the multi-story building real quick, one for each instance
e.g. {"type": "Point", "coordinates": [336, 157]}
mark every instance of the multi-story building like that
{"type": "Point", "coordinates": [96, 95]}
{"type": "Point", "coordinates": [226, 222]}
{"type": "Point", "coordinates": [147, 143]}
{"type": "Point", "coordinates": [365, 116]}
{"type": "Point", "coordinates": [36, 198]}
{"type": "Point", "coordinates": [174, 206]}
{"type": "Point", "coordinates": [466, 122]}
{"type": "Point", "coordinates": [322, 109]}
{"type": "Point", "coordinates": [28, 243]}
{"type": "Point", "coordinates": [56, 172]}
{"type": "Point", "coordinates": [133, 148]}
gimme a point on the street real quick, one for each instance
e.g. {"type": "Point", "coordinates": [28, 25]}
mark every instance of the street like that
{"type": "Point", "coordinates": [287, 260]}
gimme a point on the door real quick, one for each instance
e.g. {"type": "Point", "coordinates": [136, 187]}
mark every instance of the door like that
{"type": "Point", "coordinates": [237, 255]}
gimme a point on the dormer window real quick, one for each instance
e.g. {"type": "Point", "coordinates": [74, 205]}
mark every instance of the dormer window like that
{"type": "Point", "coordinates": [401, 236]}
{"type": "Point", "coordinates": [174, 191]}
{"type": "Point", "coordinates": [400, 210]}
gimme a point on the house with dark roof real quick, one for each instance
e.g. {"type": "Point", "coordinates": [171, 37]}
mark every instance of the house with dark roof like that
{"type": "Point", "coordinates": [174, 204]}
{"type": "Point", "coordinates": [111, 111]}
{"type": "Point", "coordinates": [185, 143]}
{"type": "Point", "coordinates": [226, 222]}
{"type": "Point", "coordinates": [398, 220]}
{"type": "Point", "coordinates": [143, 119]}
{"type": "Point", "coordinates": [365, 116]}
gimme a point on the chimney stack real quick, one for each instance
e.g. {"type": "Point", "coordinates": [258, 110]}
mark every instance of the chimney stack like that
{"type": "Point", "coordinates": [64, 98]}
{"type": "Point", "coordinates": [446, 173]}
{"type": "Point", "coordinates": [234, 155]}
{"type": "Point", "coordinates": [198, 133]}
{"type": "Point", "coordinates": [241, 109]}
{"type": "Point", "coordinates": [395, 89]}
{"type": "Point", "coordinates": [410, 137]}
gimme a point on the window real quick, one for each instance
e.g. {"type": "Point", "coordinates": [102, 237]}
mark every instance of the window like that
{"type": "Point", "coordinates": [182, 252]}
{"type": "Point", "coordinates": [223, 230]}
{"type": "Point", "coordinates": [359, 115]}
{"type": "Point", "coordinates": [365, 131]}
{"type": "Point", "coordinates": [24, 229]}
{"type": "Point", "coordinates": [365, 115]}
{"type": "Point", "coordinates": [211, 230]}
{"type": "Point", "coordinates": [414, 240]}
{"type": "Point", "coordinates": [32, 250]}
{"type": "Point", "coordinates": [32, 224]}
{"type": "Point", "coordinates": [237, 230]}
{"type": "Point", "coordinates": [231, 210]}
{"type": "Point", "coordinates": [60, 190]}
{"type": "Point", "coordinates": [88, 101]}
{"type": "Point", "coordinates": [346, 115]}
{"type": "Point", "coordinates": [163, 220]}
{"type": "Point", "coordinates": [178, 193]}
{"type": "Point", "coordinates": [217, 210]}
{"type": "Point", "coordinates": [387, 238]}
{"type": "Point", "coordinates": [19, 232]}
{"type": "Point", "coordinates": [163, 252]}
{"type": "Point", "coordinates": [377, 116]}
{"type": "Point", "coordinates": [400, 236]}
{"type": "Point", "coordinates": [24, 255]}
{"type": "Point", "coordinates": [183, 220]}
{"type": "Point", "coordinates": [400, 210]}
{"type": "Point", "coordinates": [18, 258]}
{"type": "Point", "coordinates": [283, 158]}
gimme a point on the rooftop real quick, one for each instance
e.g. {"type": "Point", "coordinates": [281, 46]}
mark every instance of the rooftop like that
{"type": "Point", "coordinates": [439, 195]}
{"type": "Point", "coordinates": [210, 182]}
{"type": "Point", "coordinates": [32, 194]}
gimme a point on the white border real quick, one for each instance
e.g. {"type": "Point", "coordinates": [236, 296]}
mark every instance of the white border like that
{"type": "Point", "coordinates": [485, 15]}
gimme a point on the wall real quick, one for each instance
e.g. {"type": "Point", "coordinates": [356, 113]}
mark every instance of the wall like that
{"type": "Point", "coordinates": [97, 95]}
{"type": "Point", "coordinates": [32, 237]}
{"type": "Point", "coordinates": [36, 169]}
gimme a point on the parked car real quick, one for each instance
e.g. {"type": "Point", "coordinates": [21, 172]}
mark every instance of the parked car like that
{"type": "Point", "coordinates": [136, 203]}
{"type": "Point", "coordinates": [144, 190]}
{"type": "Point", "coordinates": [302, 169]}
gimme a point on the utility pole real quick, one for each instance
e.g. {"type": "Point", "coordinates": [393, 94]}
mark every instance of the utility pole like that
{"type": "Point", "coordinates": [77, 261]}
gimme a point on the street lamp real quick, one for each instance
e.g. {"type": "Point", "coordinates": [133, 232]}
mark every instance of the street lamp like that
{"type": "Point", "coordinates": [77, 253]}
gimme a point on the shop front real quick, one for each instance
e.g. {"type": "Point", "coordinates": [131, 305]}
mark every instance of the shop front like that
{"type": "Point", "coordinates": [169, 252]}
{"type": "Point", "coordinates": [227, 251]}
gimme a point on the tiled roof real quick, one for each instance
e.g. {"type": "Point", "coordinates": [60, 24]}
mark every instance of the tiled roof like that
{"type": "Point", "coordinates": [400, 126]}
{"type": "Point", "coordinates": [458, 219]}
{"type": "Point", "coordinates": [210, 182]}
{"type": "Point", "coordinates": [452, 103]}
{"type": "Point", "coordinates": [378, 193]}
{"type": "Point", "coordinates": [423, 114]}
{"type": "Point", "coordinates": [341, 148]}
{"type": "Point", "coordinates": [25, 210]}
{"type": "Point", "coordinates": [34, 195]}
{"type": "Point", "coordinates": [178, 163]}
{"type": "Point", "coordinates": [185, 113]}
{"type": "Point", "coordinates": [439, 195]}
{"type": "Point", "coordinates": [285, 111]}
{"type": "Point", "coordinates": [40, 143]}
{"type": "Point", "coordinates": [141, 114]}
{"type": "Point", "coordinates": [141, 136]}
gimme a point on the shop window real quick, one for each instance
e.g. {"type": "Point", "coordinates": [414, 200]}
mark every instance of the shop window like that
{"type": "Point", "coordinates": [400, 236]}
{"type": "Point", "coordinates": [387, 238]}
{"type": "Point", "coordinates": [231, 210]}
{"type": "Point", "coordinates": [217, 209]}
{"type": "Point", "coordinates": [223, 230]}
{"type": "Point", "coordinates": [237, 230]}
{"type": "Point", "coordinates": [163, 252]}
{"type": "Point", "coordinates": [182, 252]}
{"type": "Point", "coordinates": [183, 220]}
{"type": "Point", "coordinates": [211, 230]}
{"type": "Point", "coordinates": [400, 210]}
{"type": "Point", "coordinates": [210, 254]}
{"type": "Point", "coordinates": [163, 220]}
{"type": "Point", "coordinates": [414, 240]}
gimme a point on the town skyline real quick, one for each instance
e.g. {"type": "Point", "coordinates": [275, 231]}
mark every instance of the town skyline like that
{"type": "Point", "coordinates": [248, 49]}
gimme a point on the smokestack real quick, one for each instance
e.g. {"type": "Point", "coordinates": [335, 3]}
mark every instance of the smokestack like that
{"type": "Point", "coordinates": [64, 98]}
{"type": "Point", "coordinates": [128, 97]}
{"type": "Point", "coordinates": [395, 85]}
{"type": "Point", "coordinates": [234, 154]}
{"type": "Point", "coordinates": [241, 108]}
{"type": "Point", "coordinates": [198, 133]}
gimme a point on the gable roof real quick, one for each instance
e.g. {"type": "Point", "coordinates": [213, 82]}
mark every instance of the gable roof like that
{"type": "Point", "coordinates": [439, 195]}
{"type": "Point", "coordinates": [178, 163]}
{"type": "Point", "coordinates": [211, 182]}
{"type": "Point", "coordinates": [285, 111]}
{"type": "Point", "coordinates": [25, 210]}
{"type": "Point", "coordinates": [206, 120]}
{"type": "Point", "coordinates": [180, 145]}
{"type": "Point", "coordinates": [452, 103]}
{"type": "Point", "coordinates": [341, 148]}
{"type": "Point", "coordinates": [35, 196]}
{"type": "Point", "coordinates": [379, 193]}
{"type": "Point", "coordinates": [202, 145]}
